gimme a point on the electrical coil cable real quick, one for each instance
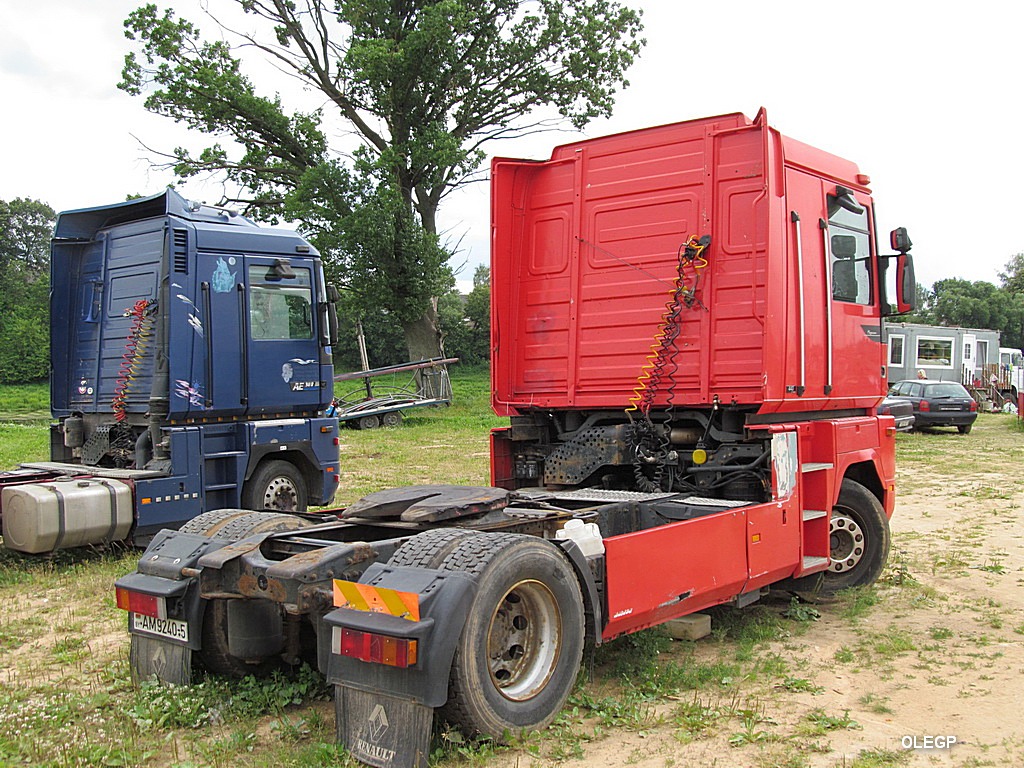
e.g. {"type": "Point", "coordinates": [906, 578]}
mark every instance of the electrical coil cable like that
{"type": "Point", "coordinates": [134, 352]}
{"type": "Point", "coordinates": [652, 447]}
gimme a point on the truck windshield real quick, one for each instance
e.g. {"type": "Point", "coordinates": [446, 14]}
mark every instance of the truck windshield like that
{"type": "Point", "coordinates": [280, 308]}
{"type": "Point", "coordinates": [850, 253]}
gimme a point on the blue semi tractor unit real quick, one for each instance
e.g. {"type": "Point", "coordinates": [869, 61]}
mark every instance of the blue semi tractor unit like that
{"type": "Point", "coordinates": [191, 364]}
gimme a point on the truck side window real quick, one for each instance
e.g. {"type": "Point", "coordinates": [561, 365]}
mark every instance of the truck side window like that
{"type": "Point", "coordinates": [280, 308]}
{"type": "Point", "coordinates": [850, 252]}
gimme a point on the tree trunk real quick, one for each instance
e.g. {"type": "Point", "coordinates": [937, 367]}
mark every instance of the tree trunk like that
{"type": "Point", "coordinates": [422, 337]}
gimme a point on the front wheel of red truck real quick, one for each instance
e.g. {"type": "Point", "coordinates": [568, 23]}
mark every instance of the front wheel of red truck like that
{"type": "Point", "coordinates": [519, 652]}
{"type": "Point", "coordinates": [858, 539]}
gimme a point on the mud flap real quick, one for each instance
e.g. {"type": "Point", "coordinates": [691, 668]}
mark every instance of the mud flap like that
{"type": "Point", "coordinates": [168, 662]}
{"type": "Point", "coordinates": [381, 730]}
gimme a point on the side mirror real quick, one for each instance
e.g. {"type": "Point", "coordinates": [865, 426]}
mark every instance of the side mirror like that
{"type": "Point", "coordinates": [899, 240]}
{"type": "Point", "coordinates": [332, 314]}
{"type": "Point", "coordinates": [906, 285]}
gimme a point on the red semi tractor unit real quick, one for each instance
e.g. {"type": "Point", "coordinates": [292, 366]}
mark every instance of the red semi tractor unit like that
{"type": "Point", "coordinates": [687, 338]}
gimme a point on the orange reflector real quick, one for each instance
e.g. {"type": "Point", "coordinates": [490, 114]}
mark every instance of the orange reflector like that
{"type": "Point", "coordinates": [136, 602]}
{"type": "Point", "coordinates": [325, 430]}
{"type": "Point", "coordinates": [755, 538]}
{"type": "Point", "coordinates": [365, 597]}
{"type": "Point", "coordinates": [147, 501]}
{"type": "Point", "coordinates": [376, 649]}
{"type": "Point", "coordinates": [330, 469]}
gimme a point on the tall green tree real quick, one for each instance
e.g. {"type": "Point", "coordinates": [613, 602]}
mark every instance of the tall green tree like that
{"type": "Point", "coordinates": [1012, 279]}
{"type": "Point", "coordinates": [25, 228]}
{"type": "Point", "coordinates": [422, 84]}
{"type": "Point", "coordinates": [979, 304]}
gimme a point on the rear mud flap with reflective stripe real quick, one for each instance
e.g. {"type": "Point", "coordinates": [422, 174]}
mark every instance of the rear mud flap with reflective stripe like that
{"type": "Point", "coordinates": [381, 730]}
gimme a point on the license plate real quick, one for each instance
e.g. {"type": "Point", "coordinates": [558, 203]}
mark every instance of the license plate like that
{"type": "Point", "coordinates": [172, 629]}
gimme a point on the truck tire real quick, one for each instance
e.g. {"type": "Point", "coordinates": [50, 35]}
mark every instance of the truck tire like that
{"type": "Point", "coordinates": [519, 651]}
{"type": "Point", "coordinates": [212, 523]}
{"type": "Point", "coordinates": [858, 538]}
{"type": "Point", "coordinates": [430, 548]}
{"type": "Point", "coordinates": [391, 419]}
{"type": "Point", "coordinates": [277, 485]}
{"type": "Point", "coordinates": [859, 543]}
{"type": "Point", "coordinates": [367, 422]}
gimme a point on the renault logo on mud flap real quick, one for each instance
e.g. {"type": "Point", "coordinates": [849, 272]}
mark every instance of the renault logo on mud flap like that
{"type": "Point", "coordinates": [378, 722]}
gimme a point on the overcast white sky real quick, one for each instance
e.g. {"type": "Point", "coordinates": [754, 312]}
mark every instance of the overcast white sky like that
{"type": "Point", "coordinates": [924, 96]}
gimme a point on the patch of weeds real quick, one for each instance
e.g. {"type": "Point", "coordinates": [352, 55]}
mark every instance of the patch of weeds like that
{"type": "Point", "coordinates": [225, 750]}
{"type": "Point", "coordinates": [689, 674]}
{"type": "Point", "coordinates": [632, 710]}
{"type": "Point", "coordinates": [878, 758]}
{"type": "Point", "coordinates": [254, 696]}
{"type": "Point", "coordinates": [993, 567]}
{"type": "Point", "coordinates": [64, 728]}
{"type": "Point", "coordinates": [1019, 629]}
{"type": "Point", "coordinates": [857, 601]}
{"type": "Point", "coordinates": [748, 626]}
{"type": "Point", "coordinates": [451, 743]}
{"type": "Point", "coordinates": [751, 734]}
{"type": "Point", "coordinates": [800, 685]}
{"type": "Point", "coordinates": [892, 642]}
{"type": "Point", "coordinates": [949, 560]}
{"type": "Point", "coordinates": [163, 706]}
{"type": "Point", "coordinates": [771, 665]}
{"type": "Point", "coordinates": [844, 655]}
{"type": "Point", "coordinates": [817, 723]}
{"type": "Point", "coordinates": [940, 633]}
{"type": "Point", "coordinates": [14, 634]}
{"type": "Point", "coordinates": [70, 649]}
{"type": "Point", "coordinates": [694, 719]}
{"type": "Point", "coordinates": [897, 573]}
{"type": "Point", "coordinates": [876, 704]}
{"type": "Point", "coordinates": [801, 611]}
{"type": "Point", "coordinates": [633, 655]}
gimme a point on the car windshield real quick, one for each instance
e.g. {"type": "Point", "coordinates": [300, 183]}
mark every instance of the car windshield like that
{"type": "Point", "coordinates": [948, 389]}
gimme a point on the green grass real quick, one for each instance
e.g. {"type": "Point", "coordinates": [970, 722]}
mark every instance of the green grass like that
{"type": "Point", "coordinates": [24, 416]}
{"type": "Point", "coordinates": [25, 401]}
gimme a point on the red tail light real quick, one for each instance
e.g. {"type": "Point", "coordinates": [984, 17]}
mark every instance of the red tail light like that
{"type": "Point", "coordinates": [377, 649]}
{"type": "Point", "coordinates": [137, 602]}
{"type": "Point", "coordinates": [973, 406]}
{"type": "Point", "coordinates": [925, 406]}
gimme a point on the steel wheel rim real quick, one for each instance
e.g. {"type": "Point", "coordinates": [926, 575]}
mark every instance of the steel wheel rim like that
{"type": "Point", "coordinates": [524, 640]}
{"type": "Point", "coordinates": [846, 542]}
{"type": "Point", "coordinates": [281, 495]}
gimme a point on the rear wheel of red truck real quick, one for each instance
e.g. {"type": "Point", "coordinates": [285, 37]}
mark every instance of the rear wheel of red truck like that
{"type": "Point", "coordinates": [519, 652]}
{"type": "Point", "coordinates": [430, 548]}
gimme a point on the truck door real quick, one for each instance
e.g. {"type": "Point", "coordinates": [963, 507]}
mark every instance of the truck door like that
{"type": "Point", "coordinates": [210, 323]}
{"type": "Point", "coordinates": [838, 355]}
{"type": "Point", "coordinates": [282, 341]}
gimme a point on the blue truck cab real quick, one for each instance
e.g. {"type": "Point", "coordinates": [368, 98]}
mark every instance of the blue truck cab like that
{"type": "Point", "coordinates": [191, 362]}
